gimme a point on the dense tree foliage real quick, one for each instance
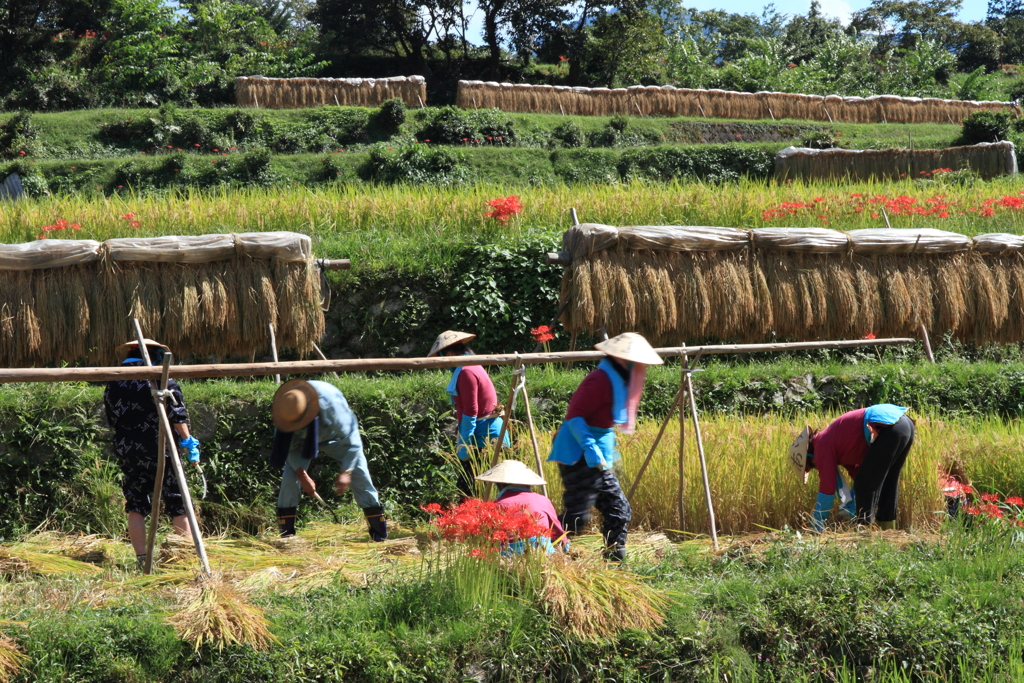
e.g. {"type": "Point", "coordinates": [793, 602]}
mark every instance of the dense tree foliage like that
{"type": "Point", "coordinates": [65, 54]}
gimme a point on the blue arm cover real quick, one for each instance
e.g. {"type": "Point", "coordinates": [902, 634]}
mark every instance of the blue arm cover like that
{"type": "Point", "coordinates": [822, 509]}
{"type": "Point", "coordinates": [467, 427]}
{"type": "Point", "coordinates": [851, 506]}
{"type": "Point", "coordinates": [580, 431]}
{"type": "Point", "coordinates": [192, 444]}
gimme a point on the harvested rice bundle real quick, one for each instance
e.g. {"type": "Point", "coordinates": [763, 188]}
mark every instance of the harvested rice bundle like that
{"type": "Point", "coordinates": [11, 658]}
{"type": "Point", "coordinates": [593, 602]}
{"type": "Point", "coordinates": [211, 611]}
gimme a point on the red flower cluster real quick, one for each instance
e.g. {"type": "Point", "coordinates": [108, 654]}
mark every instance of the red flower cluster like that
{"type": "Point", "coordinates": [61, 224]}
{"type": "Point", "coordinates": [130, 217]}
{"type": "Point", "coordinates": [991, 508]}
{"type": "Point", "coordinates": [504, 208]}
{"type": "Point", "coordinates": [542, 334]}
{"type": "Point", "coordinates": [478, 521]}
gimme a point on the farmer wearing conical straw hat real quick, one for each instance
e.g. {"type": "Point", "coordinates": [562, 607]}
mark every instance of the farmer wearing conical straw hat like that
{"type": "Point", "coordinates": [871, 444]}
{"type": "Point", "coordinates": [313, 417]}
{"type": "Point", "coordinates": [585, 446]}
{"type": "Point", "coordinates": [476, 403]}
{"type": "Point", "coordinates": [514, 480]}
{"type": "Point", "coordinates": [132, 413]}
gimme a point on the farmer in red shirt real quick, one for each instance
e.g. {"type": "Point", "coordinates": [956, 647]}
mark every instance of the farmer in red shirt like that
{"type": "Point", "coordinates": [476, 403]}
{"type": "Point", "coordinates": [871, 444]}
{"type": "Point", "coordinates": [585, 448]}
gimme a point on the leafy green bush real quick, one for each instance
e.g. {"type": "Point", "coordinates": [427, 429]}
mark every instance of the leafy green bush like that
{"type": "Point", "coordinates": [715, 164]}
{"type": "Point", "coordinates": [985, 126]}
{"type": "Point", "coordinates": [416, 164]}
{"type": "Point", "coordinates": [18, 136]}
{"type": "Point", "coordinates": [585, 165]}
{"type": "Point", "coordinates": [391, 115]}
{"type": "Point", "coordinates": [454, 126]}
{"type": "Point", "coordinates": [340, 126]}
{"type": "Point", "coordinates": [569, 134]}
{"type": "Point", "coordinates": [821, 140]}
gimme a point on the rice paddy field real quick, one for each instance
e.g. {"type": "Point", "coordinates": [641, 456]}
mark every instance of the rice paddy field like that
{"type": "Point", "coordinates": [940, 599]}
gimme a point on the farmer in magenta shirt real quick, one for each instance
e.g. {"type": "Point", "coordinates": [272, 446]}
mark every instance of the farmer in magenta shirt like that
{"type": "Point", "coordinates": [585, 448]}
{"type": "Point", "coordinates": [871, 444]}
{"type": "Point", "coordinates": [514, 480]}
{"type": "Point", "coordinates": [476, 403]}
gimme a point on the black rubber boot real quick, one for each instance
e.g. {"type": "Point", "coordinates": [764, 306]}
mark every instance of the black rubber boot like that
{"type": "Point", "coordinates": [615, 553]}
{"type": "Point", "coordinates": [286, 521]}
{"type": "Point", "coordinates": [378, 525]}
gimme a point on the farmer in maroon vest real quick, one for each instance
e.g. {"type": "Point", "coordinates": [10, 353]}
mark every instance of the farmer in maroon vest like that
{"type": "Point", "coordinates": [476, 403]}
{"type": "Point", "coordinates": [585, 446]}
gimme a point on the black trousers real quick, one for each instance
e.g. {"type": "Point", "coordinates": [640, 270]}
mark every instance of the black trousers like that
{"type": "Point", "coordinates": [585, 487]}
{"type": "Point", "coordinates": [466, 480]}
{"type": "Point", "coordinates": [878, 478]}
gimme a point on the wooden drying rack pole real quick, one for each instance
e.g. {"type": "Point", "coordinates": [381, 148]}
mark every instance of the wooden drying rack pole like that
{"type": "Point", "coordinates": [306, 367]}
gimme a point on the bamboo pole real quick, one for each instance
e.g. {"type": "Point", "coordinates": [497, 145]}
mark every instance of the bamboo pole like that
{"type": "Point", "coordinates": [505, 421]}
{"type": "Point", "coordinates": [273, 349]}
{"type": "Point", "coordinates": [161, 472]}
{"type": "Point", "coordinates": [533, 438]}
{"type": "Point", "coordinates": [700, 451]}
{"type": "Point", "coordinates": [654, 447]}
{"type": "Point", "coordinates": [681, 497]}
{"type": "Point", "coordinates": [927, 344]}
{"type": "Point", "coordinates": [105, 374]}
{"type": "Point", "coordinates": [165, 426]}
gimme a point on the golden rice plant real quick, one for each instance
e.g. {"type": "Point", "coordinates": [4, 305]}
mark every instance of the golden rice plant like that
{"type": "Point", "coordinates": [592, 601]}
{"type": "Point", "coordinates": [212, 612]}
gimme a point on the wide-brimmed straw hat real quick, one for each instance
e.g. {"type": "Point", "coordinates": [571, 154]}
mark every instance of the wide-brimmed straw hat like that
{"type": "Point", "coordinates": [122, 350]}
{"type": "Point", "coordinates": [512, 472]}
{"type": "Point", "coordinates": [446, 339]}
{"type": "Point", "coordinates": [295, 405]}
{"type": "Point", "coordinates": [630, 346]}
{"type": "Point", "coordinates": [798, 453]}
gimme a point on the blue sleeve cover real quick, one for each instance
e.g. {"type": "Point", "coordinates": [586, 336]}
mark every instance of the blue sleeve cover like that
{"type": "Point", "coordinates": [467, 429]}
{"type": "Point", "coordinates": [580, 431]}
{"type": "Point", "coordinates": [851, 506]}
{"type": "Point", "coordinates": [822, 509]}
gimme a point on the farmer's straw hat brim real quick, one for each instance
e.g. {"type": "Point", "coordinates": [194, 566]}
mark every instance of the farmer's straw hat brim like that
{"type": "Point", "coordinates": [630, 346]}
{"type": "Point", "coordinates": [122, 350]}
{"type": "Point", "coordinates": [512, 472]}
{"type": "Point", "coordinates": [448, 338]}
{"type": "Point", "coordinates": [295, 405]}
{"type": "Point", "coordinates": [798, 453]}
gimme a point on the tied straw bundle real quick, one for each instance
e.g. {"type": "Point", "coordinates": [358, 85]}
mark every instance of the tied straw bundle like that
{"type": "Point", "coordinates": [12, 659]}
{"type": "Point", "coordinates": [212, 612]}
{"type": "Point", "coordinates": [673, 283]}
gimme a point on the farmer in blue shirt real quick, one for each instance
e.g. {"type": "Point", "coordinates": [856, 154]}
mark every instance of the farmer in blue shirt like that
{"type": "Point", "coordinates": [313, 417]}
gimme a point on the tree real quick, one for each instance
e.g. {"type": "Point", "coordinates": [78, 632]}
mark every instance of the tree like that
{"type": "Point", "coordinates": [350, 28]}
{"type": "Point", "coordinates": [804, 36]}
{"type": "Point", "coordinates": [627, 48]}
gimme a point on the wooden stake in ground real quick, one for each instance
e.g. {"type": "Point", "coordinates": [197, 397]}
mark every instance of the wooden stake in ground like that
{"type": "Point", "coordinates": [161, 471]}
{"type": "Point", "coordinates": [159, 396]}
{"type": "Point", "coordinates": [654, 447]}
{"type": "Point", "coordinates": [682, 448]}
{"type": "Point", "coordinates": [273, 349]}
{"type": "Point", "coordinates": [927, 344]}
{"type": "Point", "coordinates": [533, 436]}
{"type": "Point", "coordinates": [517, 372]}
{"type": "Point", "coordinates": [687, 371]}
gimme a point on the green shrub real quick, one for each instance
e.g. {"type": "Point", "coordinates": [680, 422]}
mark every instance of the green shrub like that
{"type": "Point", "coordinates": [494, 127]}
{"type": "Point", "coordinates": [714, 164]}
{"type": "Point", "coordinates": [585, 165]}
{"type": "Point", "coordinates": [569, 134]}
{"type": "Point", "coordinates": [331, 127]}
{"type": "Point", "coordinates": [253, 168]}
{"type": "Point", "coordinates": [391, 115]}
{"type": "Point", "coordinates": [18, 136]}
{"type": "Point", "coordinates": [985, 126]}
{"type": "Point", "coordinates": [454, 126]}
{"type": "Point", "coordinates": [619, 124]}
{"type": "Point", "coordinates": [242, 124]}
{"type": "Point", "coordinates": [416, 164]}
{"type": "Point", "coordinates": [821, 140]}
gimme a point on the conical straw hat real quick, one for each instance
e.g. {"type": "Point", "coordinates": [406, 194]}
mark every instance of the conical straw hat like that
{"type": "Point", "coordinates": [512, 472]}
{"type": "Point", "coordinates": [122, 350]}
{"type": "Point", "coordinates": [798, 453]}
{"type": "Point", "coordinates": [446, 339]}
{"type": "Point", "coordinates": [630, 346]}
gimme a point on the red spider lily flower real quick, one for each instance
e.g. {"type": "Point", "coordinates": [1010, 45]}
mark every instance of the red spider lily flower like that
{"type": "Point", "coordinates": [874, 215]}
{"type": "Point", "coordinates": [990, 497]}
{"type": "Point", "coordinates": [542, 334]}
{"type": "Point", "coordinates": [987, 212]}
{"type": "Point", "coordinates": [128, 216]}
{"type": "Point", "coordinates": [503, 208]}
{"type": "Point", "coordinates": [135, 224]}
{"type": "Point", "coordinates": [791, 65]}
{"type": "Point", "coordinates": [819, 199]}
{"type": "Point", "coordinates": [485, 523]}
{"type": "Point", "coordinates": [869, 335]}
{"type": "Point", "coordinates": [197, 144]}
{"type": "Point", "coordinates": [1015, 500]}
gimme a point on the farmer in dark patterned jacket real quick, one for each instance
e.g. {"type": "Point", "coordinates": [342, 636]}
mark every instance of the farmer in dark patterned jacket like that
{"type": "Point", "coordinates": [132, 414]}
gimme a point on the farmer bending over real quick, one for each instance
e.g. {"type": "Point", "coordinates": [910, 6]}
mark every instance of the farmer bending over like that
{"type": "Point", "coordinates": [514, 480]}
{"type": "Point", "coordinates": [476, 403]}
{"type": "Point", "coordinates": [585, 446]}
{"type": "Point", "coordinates": [312, 417]}
{"type": "Point", "coordinates": [871, 444]}
{"type": "Point", "coordinates": [132, 414]}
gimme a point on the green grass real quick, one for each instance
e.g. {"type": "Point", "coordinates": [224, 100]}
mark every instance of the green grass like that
{"type": "Point", "coordinates": [420, 228]}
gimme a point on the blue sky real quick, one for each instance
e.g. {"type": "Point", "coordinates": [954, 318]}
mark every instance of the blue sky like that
{"type": "Point", "coordinates": [972, 10]}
